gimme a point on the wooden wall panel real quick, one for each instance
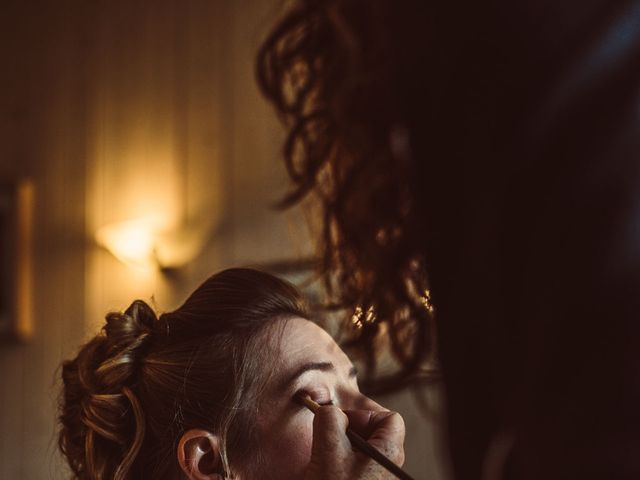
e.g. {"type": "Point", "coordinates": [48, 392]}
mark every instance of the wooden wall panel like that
{"type": "Point", "coordinates": [46, 143]}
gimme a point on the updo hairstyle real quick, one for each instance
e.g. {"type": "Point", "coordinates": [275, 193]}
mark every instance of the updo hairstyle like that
{"type": "Point", "coordinates": [134, 389]}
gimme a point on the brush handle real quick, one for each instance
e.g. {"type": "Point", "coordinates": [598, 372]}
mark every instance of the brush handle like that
{"type": "Point", "coordinates": [360, 444]}
{"type": "Point", "coordinates": [365, 447]}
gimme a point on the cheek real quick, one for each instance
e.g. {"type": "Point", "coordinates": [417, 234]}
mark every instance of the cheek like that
{"type": "Point", "coordinates": [287, 451]}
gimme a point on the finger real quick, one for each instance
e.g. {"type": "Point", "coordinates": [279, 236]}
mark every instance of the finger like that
{"type": "Point", "coordinates": [329, 427]}
{"type": "Point", "coordinates": [361, 418]}
{"type": "Point", "coordinates": [331, 453]}
{"type": "Point", "coordinates": [384, 430]}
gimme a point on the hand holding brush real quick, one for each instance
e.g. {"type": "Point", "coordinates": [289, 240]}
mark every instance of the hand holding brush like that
{"type": "Point", "coordinates": [336, 460]}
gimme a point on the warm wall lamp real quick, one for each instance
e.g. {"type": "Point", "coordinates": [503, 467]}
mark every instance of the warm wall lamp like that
{"type": "Point", "coordinates": [145, 243]}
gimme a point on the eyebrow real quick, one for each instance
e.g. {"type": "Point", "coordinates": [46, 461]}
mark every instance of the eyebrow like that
{"type": "Point", "coordinates": [316, 366]}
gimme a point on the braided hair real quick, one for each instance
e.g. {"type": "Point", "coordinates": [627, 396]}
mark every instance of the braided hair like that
{"type": "Point", "coordinates": [136, 387]}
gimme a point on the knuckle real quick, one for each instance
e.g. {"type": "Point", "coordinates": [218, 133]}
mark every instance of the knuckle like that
{"type": "Point", "coordinates": [395, 453]}
{"type": "Point", "coordinates": [397, 421]}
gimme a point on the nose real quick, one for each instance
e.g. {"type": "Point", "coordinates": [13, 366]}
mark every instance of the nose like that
{"type": "Point", "coordinates": [354, 400]}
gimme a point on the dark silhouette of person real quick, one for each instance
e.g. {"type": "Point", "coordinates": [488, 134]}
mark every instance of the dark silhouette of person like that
{"type": "Point", "coordinates": [488, 150]}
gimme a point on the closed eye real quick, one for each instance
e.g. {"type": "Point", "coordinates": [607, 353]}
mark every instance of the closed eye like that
{"type": "Point", "coordinates": [322, 398]}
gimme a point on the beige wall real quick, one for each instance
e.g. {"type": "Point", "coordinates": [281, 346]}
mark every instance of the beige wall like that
{"type": "Point", "coordinates": [122, 110]}
{"type": "Point", "coordinates": [42, 137]}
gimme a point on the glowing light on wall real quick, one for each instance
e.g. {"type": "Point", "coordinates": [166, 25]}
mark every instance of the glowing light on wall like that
{"type": "Point", "coordinates": [132, 242]}
{"type": "Point", "coordinates": [148, 243]}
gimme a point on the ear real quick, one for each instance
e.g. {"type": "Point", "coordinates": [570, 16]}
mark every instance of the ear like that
{"type": "Point", "coordinates": [199, 455]}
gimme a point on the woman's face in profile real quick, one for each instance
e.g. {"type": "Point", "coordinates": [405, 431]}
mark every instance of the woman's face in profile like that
{"type": "Point", "coordinates": [311, 362]}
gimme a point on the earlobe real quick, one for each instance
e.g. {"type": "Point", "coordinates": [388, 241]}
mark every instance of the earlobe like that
{"type": "Point", "coordinates": [199, 455]}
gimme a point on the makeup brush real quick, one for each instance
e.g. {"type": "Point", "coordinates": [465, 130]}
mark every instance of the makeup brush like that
{"type": "Point", "coordinates": [361, 444]}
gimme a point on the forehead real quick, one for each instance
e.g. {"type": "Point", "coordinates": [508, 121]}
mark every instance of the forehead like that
{"type": "Point", "coordinates": [302, 341]}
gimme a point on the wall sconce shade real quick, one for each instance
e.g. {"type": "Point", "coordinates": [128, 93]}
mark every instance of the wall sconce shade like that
{"type": "Point", "coordinates": [149, 244]}
{"type": "Point", "coordinates": [132, 242]}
